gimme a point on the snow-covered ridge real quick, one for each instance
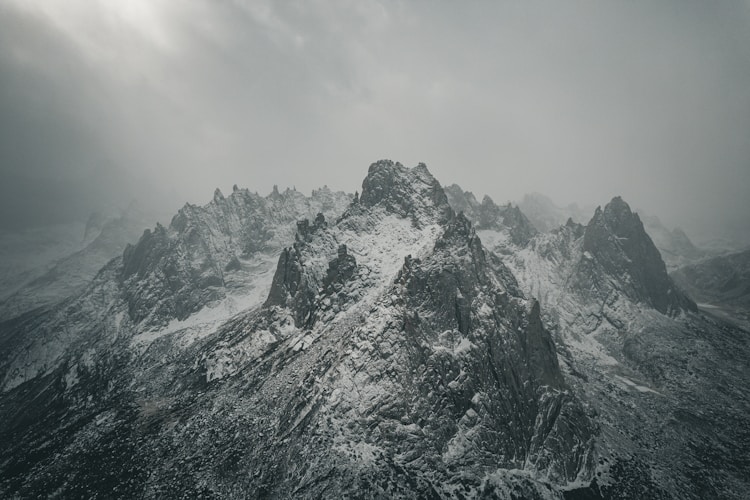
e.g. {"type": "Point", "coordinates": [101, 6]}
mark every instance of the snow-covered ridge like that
{"type": "Point", "coordinates": [408, 192]}
{"type": "Point", "coordinates": [182, 281]}
{"type": "Point", "coordinates": [399, 351]}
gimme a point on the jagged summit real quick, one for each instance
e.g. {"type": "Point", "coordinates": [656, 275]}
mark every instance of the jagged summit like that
{"type": "Point", "coordinates": [616, 213]}
{"type": "Point", "coordinates": [417, 313]}
{"type": "Point", "coordinates": [332, 346]}
{"type": "Point", "coordinates": [207, 251]}
{"type": "Point", "coordinates": [409, 192]}
{"type": "Point", "coordinates": [487, 215]}
{"type": "Point", "coordinates": [617, 243]}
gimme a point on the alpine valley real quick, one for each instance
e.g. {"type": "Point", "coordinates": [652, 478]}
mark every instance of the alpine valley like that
{"type": "Point", "coordinates": [407, 341]}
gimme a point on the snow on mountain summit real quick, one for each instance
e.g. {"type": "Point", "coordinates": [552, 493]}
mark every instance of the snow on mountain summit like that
{"type": "Point", "coordinates": [412, 193]}
{"type": "Point", "coordinates": [410, 342]}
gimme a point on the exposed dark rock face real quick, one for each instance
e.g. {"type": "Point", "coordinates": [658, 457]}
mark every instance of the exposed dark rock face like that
{"type": "Point", "coordinates": [292, 285]}
{"type": "Point", "coordinates": [617, 246]}
{"type": "Point", "coordinates": [288, 280]}
{"type": "Point", "coordinates": [457, 375]}
{"type": "Point", "coordinates": [174, 272]}
{"type": "Point", "coordinates": [340, 270]}
{"type": "Point", "coordinates": [403, 191]}
{"type": "Point", "coordinates": [513, 365]}
{"type": "Point", "coordinates": [452, 291]}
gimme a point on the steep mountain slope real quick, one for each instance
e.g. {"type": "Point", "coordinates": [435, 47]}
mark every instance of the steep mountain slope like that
{"type": "Point", "coordinates": [615, 245]}
{"type": "Point", "coordinates": [26, 255]}
{"type": "Point", "coordinates": [635, 348]}
{"type": "Point", "coordinates": [675, 247]}
{"type": "Point", "coordinates": [391, 352]}
{"type": "Point", "coordinates": [721, 284]}
{"type": "Point", "coordinates": [393, 357]}
{"type": "Point", "coordinates": [211, 262]}
{"type": "Point", "coordinates": [104, 239]}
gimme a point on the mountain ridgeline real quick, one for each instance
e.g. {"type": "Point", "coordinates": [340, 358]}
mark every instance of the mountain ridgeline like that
{"type": "Point", "coordinates": [488, 215]}
{"type": "Point", "coordinates": [386, 345]}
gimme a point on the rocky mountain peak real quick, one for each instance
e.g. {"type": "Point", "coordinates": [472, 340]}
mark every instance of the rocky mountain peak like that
{"type": "Point", "coordinates": [491, 216]}
{"type": "Point", "coordinates": [394, 357]}
{"type": "Point", "coordinates": [408, 192]}
{"type": "Point", "coordinates": [461, 201]}
{"type": "Point", "coordinates": [618, 215]}
{"type": "Point", "coordinates": [206, 251]}
{"type": "Point", "coordinates": [616, 240]}
{"type": "Point", "coordinates": [616, 222]}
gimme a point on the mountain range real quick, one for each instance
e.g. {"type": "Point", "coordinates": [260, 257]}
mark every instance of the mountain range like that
{"type": "Point", "coordinates": [407, 341]}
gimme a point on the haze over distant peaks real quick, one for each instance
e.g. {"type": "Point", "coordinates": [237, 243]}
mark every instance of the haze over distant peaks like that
{"type": "Point", "coordinates": [405, 342]}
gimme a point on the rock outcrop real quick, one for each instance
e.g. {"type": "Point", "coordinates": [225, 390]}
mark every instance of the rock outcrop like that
{"type": "Point", "coordinates": [616, 245]}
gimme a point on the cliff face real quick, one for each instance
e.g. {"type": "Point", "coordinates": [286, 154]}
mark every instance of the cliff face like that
{"type": "Point", "coordinates": [172, 273]}
{"type": "Point", "coordinates": [615, 244]}
{"type": "Point", "coordinates": [634, 347]}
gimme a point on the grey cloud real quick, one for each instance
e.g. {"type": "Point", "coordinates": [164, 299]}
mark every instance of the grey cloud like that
{"type": "Point", "coordinates": [581, 101]}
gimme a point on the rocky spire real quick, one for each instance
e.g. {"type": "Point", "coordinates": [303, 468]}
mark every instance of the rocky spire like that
{"type": "Point", "coordinates": [619, 246]}
{"type": "Point", "coordinates": [413, 193]}
{"type": "Point", "coordinates": [340, 270]}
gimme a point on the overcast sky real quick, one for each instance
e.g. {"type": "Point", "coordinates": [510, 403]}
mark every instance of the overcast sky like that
{"type": "Point", "coordinates": [103, 101]}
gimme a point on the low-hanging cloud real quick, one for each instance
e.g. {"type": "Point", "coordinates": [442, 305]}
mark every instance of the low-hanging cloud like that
{"type": "Point", "coordinates": [105, 101]}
